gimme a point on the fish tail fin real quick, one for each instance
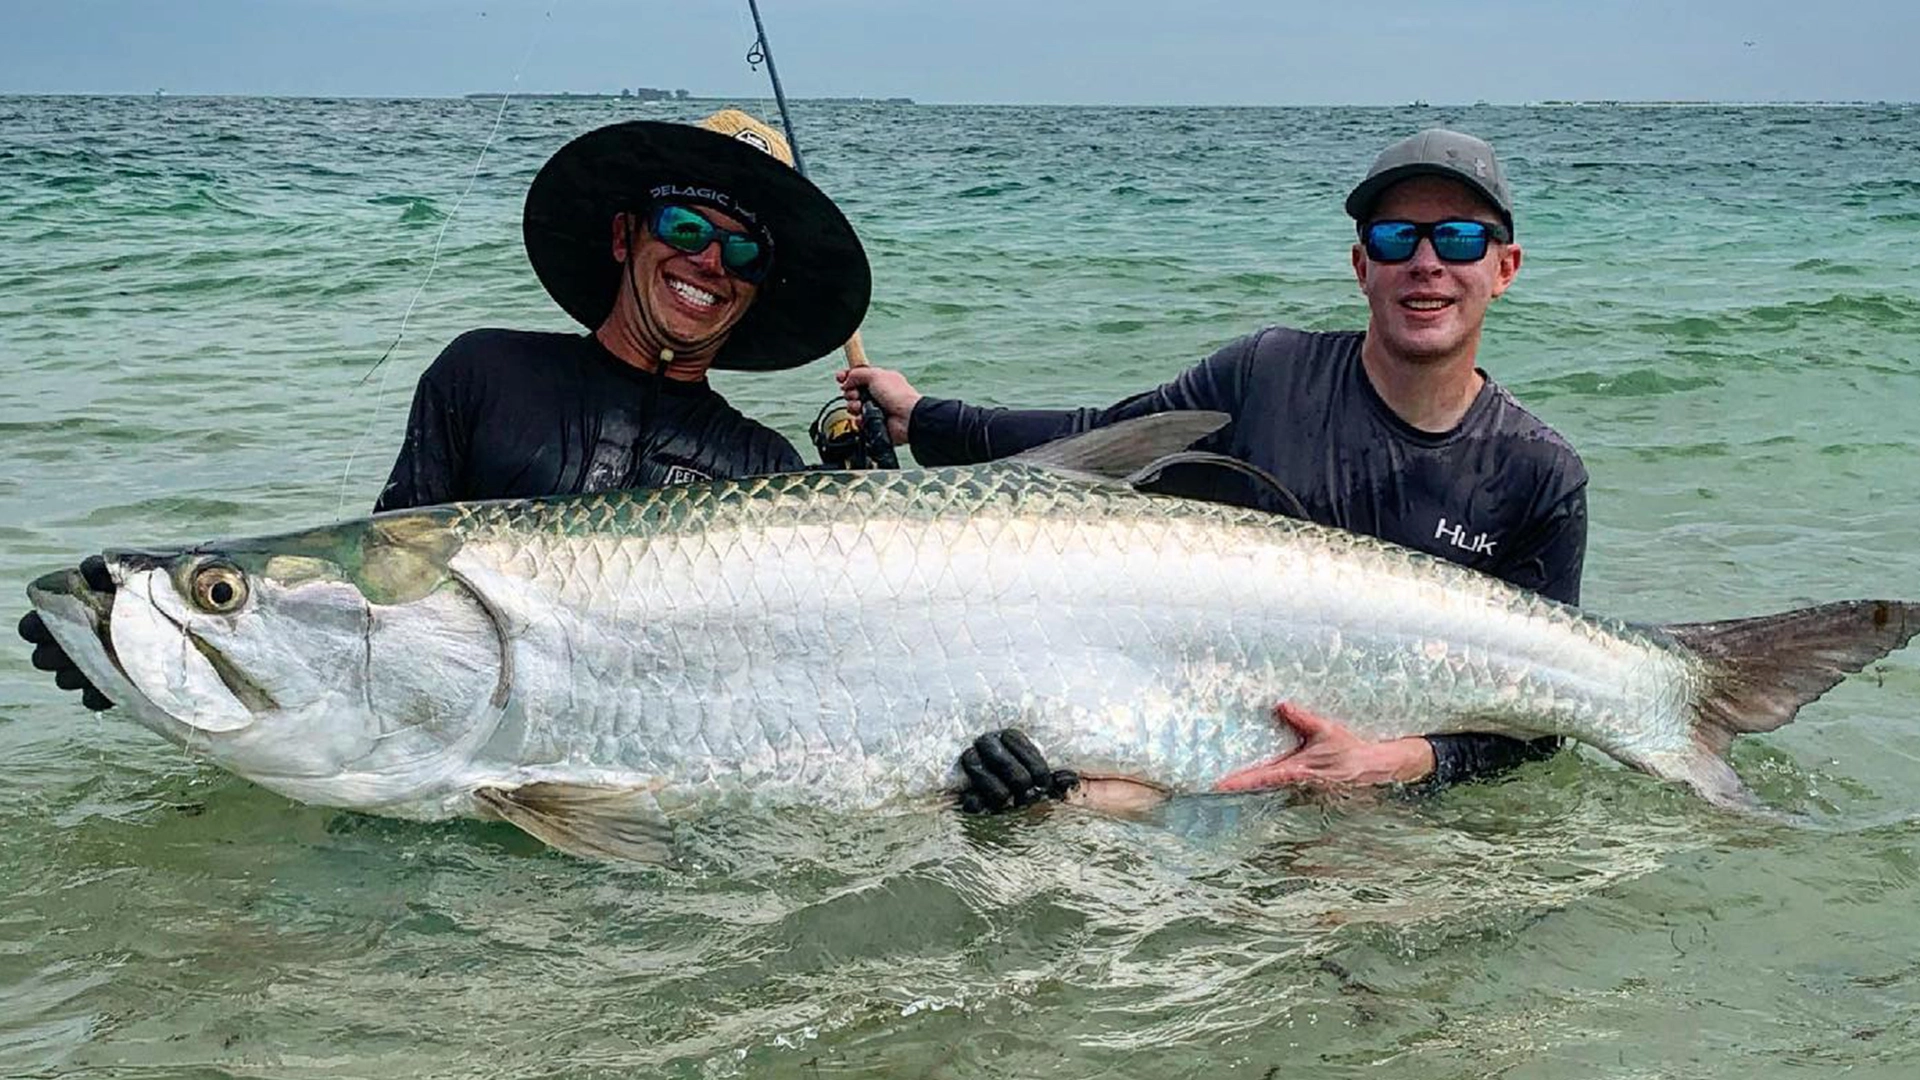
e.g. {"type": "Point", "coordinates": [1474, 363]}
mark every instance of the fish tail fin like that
{"type": "Point", "coordinates": [1759, 672]}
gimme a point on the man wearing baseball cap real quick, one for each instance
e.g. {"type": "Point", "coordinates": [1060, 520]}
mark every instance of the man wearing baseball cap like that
{"type": "Point", "coordinates": [1392, 431]}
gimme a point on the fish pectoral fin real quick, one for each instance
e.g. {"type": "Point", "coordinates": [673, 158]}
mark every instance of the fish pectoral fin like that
{"type": "Point", "coordinates": [1117, 794]}
{"type": "Point", "coordinates": [604, 823]}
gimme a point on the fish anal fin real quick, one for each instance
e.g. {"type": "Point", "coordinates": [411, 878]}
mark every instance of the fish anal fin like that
{"type": "Point", "coordinates": [602, 823]}
{"type": "Point", "coordinates": [1705, 770]}
{"type": "Point", "coordinates": [1118, 451]}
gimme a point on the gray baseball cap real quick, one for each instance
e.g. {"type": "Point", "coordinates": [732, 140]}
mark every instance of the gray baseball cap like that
{"type": "Point", "coordinates": [1435, 152]}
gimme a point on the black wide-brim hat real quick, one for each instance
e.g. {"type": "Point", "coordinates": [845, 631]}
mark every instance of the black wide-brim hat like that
{"type": "Point", "coordinates": [808, 306]}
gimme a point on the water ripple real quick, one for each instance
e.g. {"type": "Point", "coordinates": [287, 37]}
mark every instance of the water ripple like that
{"type": "Point", "coordinates": [198, 285]}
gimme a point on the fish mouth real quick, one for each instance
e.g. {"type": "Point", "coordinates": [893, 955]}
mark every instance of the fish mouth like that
{"type": "Point", "coordinates": [62, 593]}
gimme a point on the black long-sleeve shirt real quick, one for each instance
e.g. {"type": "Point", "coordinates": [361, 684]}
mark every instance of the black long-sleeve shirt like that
{"type": "Point", "coordinates": [504, 414]}
{"type": "Point", "coordinates": [1501, 492]}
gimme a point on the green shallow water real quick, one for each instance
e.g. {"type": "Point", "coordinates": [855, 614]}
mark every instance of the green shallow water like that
{"type": "Point", "coordinates": [1717, 307]}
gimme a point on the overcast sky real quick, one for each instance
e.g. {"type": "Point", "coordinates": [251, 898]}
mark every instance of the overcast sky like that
{"type": "Point", "coordinates": [1231, 52]}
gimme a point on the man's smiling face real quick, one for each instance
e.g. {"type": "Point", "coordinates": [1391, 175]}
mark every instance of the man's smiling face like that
{"type": "Point", "coordinates": [1425, 309]}
{"type": "Point", "coordinates": [692, 298]}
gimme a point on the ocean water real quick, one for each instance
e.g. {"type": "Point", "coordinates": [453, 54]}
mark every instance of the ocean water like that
{"type": "Point", "coordinates": [1718, 307]}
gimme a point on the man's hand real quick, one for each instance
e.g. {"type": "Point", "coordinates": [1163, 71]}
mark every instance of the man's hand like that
{"type": "Point", "coordinates": [49, 656]}
{"type": "Point", "coordinates": [891, 391]}
{"type": "Point", "coordinates": [1330, 756]}
{"type": "Point", "coordinates": [1005, 771]}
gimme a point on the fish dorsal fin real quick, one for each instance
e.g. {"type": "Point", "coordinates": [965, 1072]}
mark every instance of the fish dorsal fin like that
{"type": "Point", "coordinates": [1266, 480]}
{"type": "Point", "coordinates": [1120, 450]}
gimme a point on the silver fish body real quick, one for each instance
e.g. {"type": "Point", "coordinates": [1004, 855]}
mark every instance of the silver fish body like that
{"type": "Point", "coordinates": [836, 638]}
{"type": "Point", "coordinates": [840, 638]}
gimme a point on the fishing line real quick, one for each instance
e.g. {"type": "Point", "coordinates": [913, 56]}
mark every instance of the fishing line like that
{"type": "Point", "coordinates": [762, 52]}
{"type": "Point", "coordinates": [473, 177]}
{"type": "Point", "coordinates": [863, 443]}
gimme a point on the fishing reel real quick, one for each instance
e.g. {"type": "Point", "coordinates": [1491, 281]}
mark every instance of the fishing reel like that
{"type": "Point", "coordinates": [847, 443]}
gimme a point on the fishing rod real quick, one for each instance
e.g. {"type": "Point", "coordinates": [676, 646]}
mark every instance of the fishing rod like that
{"type": "Point", "coordinates": [763, 52]}
{"type": "Point", "coordinates": [835, 434]}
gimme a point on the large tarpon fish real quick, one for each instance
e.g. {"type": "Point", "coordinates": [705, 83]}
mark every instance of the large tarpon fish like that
{"type": "Point", "coordinates": [584, 666]}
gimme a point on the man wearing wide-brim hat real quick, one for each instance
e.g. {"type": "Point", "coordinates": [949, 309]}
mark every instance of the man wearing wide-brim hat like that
{"type": "Point", "coordinates": [681, 248]}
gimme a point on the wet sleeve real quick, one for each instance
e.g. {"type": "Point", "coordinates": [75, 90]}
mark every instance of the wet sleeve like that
{"type": "Point", "coordinates": [736, 446]}
{"type": "Point", "coordinates": [949, 432]}
{"type": "Point", "coordinates": [433, 453]}
{"type": "Point", "coordinates": [1549, 560]}
{"type": "Point", "coordinates": [779, 456]}
{"type": "Point", "coordinates": [1473, 756]}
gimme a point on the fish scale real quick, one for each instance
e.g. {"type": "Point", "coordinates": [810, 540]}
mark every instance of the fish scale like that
{"type": "Point", "coordinates": [835, 639]}
{"type": "Point", "coordinates": [1147, 634]}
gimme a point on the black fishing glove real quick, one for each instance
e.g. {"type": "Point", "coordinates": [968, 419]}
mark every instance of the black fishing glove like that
{"type": "Point", "coordinates": [49, 656]}
{"type": "Point", "coordinates": [1004, 771]}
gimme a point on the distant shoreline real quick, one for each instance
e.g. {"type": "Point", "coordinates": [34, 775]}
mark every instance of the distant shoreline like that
{"type": "Point", "coordinates": [1630, 103]}
{"type": "Point", "coordinates": [639, 100]}
{"type": "Point", "coordinates": [1550, 103]}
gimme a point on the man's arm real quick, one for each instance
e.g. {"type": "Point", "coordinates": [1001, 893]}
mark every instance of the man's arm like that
{"type": "Point", "coordinates": [433, 453]}
{"type": "Point", "coordinates": [1550, 557]}
{"type": "Point", "coordinates": [950, 432]}
{"type": "Point", "coordinates": [780, 456]}
{"type": "Point", "coordinates": [1004, 771]}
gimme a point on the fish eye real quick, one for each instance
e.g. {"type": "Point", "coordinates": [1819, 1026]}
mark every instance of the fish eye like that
{"type": "Point", "coordinates": [219, 589]}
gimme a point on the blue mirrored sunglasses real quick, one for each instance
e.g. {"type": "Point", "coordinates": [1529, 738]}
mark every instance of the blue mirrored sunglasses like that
{"type": "Point", "coordinates": [1454, 240]}
{"type": "Point", "coordinates": [747, 256]}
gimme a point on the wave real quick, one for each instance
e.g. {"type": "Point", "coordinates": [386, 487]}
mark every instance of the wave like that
{"type": "Point", "coordinates": [1632, 382]}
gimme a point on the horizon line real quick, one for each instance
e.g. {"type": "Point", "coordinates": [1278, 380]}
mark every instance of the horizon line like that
{"type": "Point", "coordinates": [904, 101]}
